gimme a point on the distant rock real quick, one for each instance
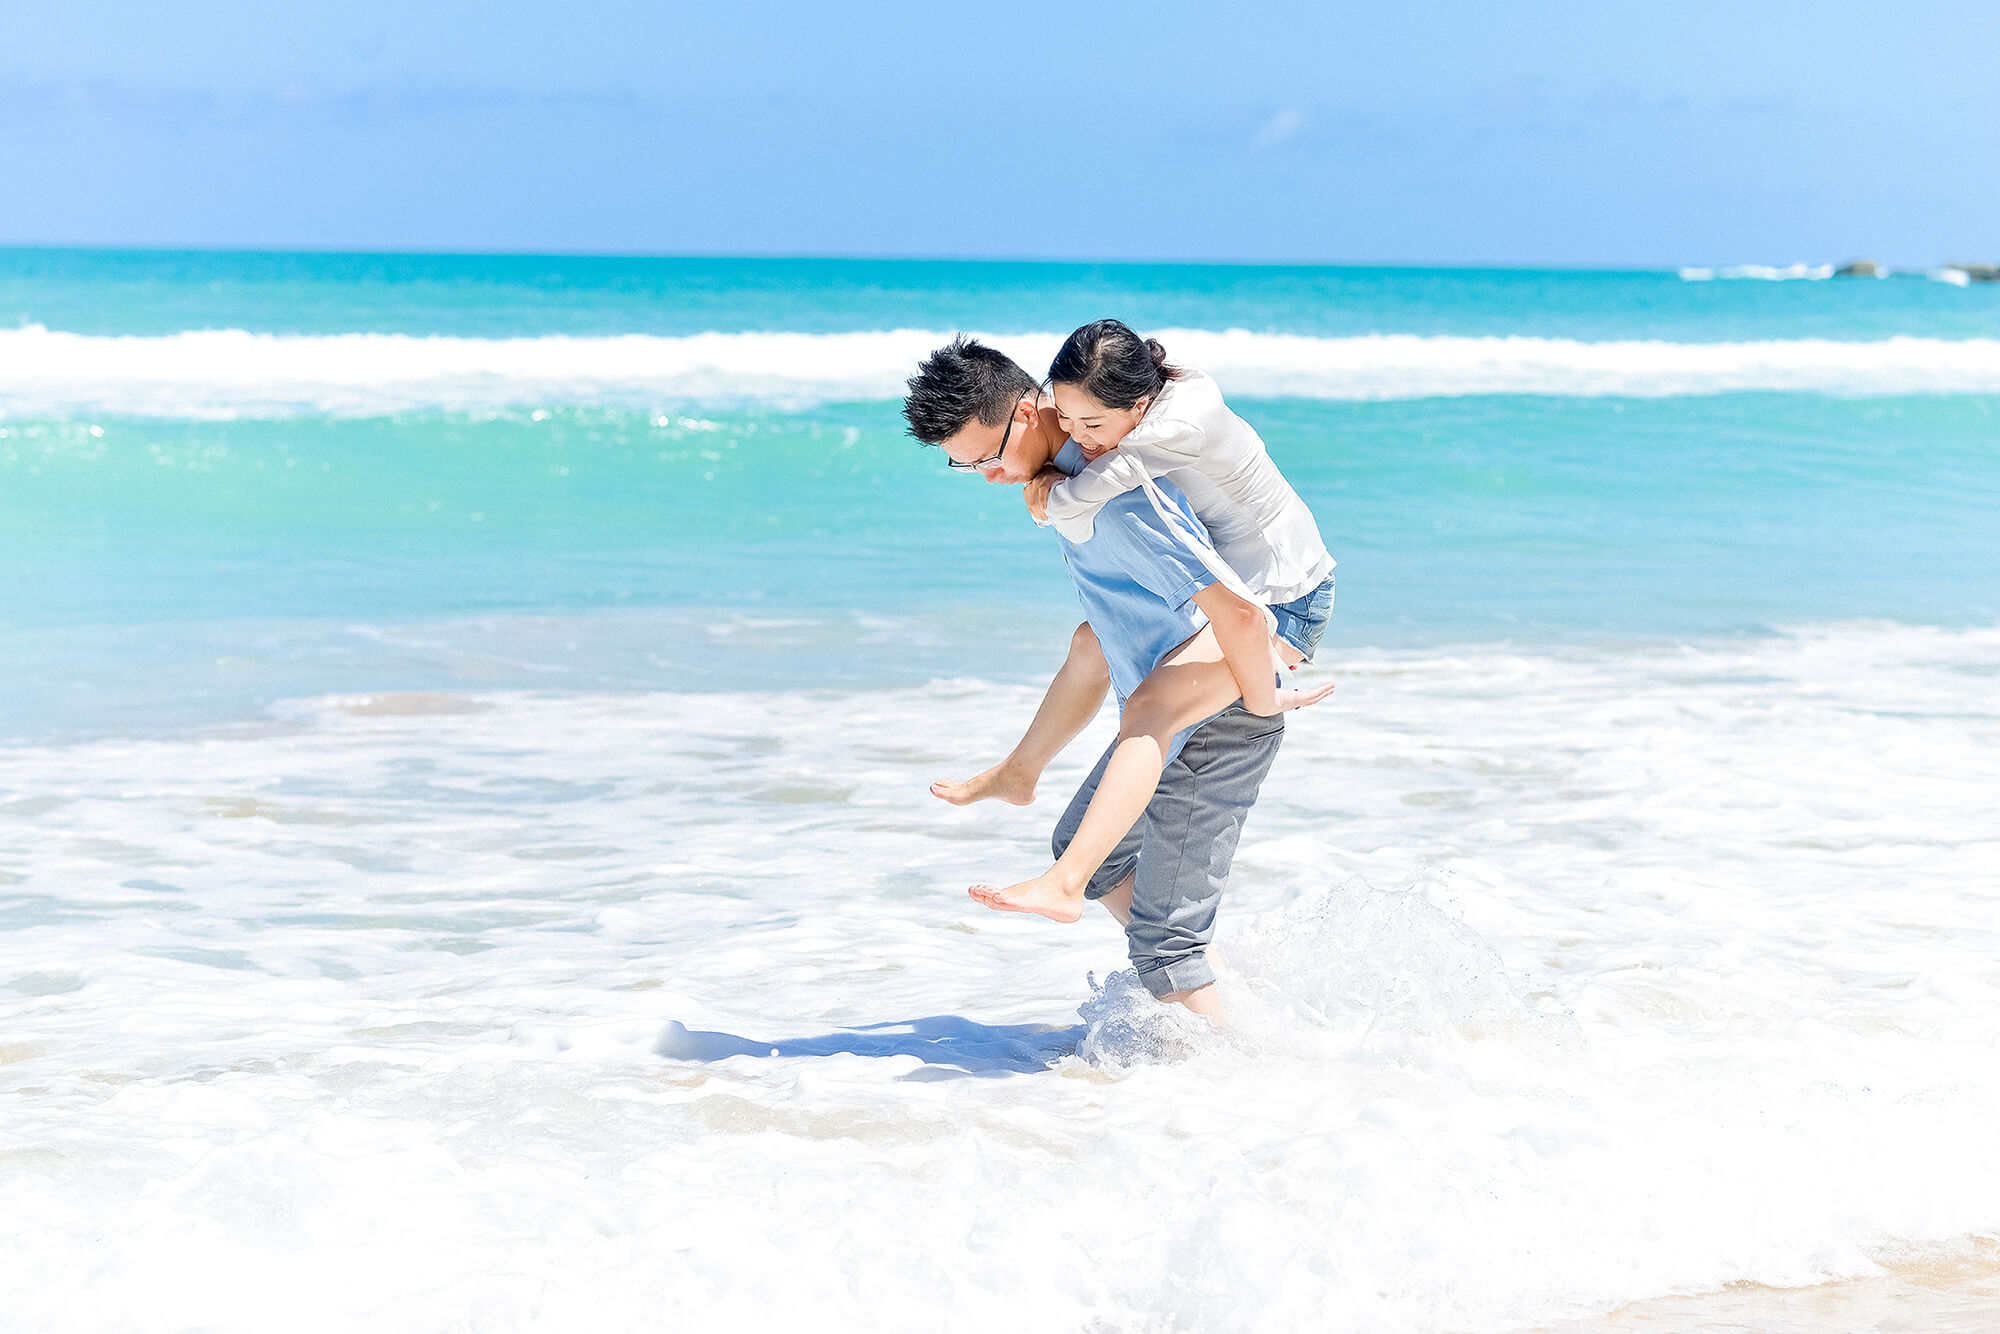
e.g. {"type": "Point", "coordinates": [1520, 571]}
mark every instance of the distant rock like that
{"type": "Point", "coordinates": [1862, 268]}
{"type": "Point", "coordinates": [1978, 273]}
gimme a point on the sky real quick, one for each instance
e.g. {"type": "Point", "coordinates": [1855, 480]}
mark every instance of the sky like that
{"type": "Point", "coordinates": [1530, 132]}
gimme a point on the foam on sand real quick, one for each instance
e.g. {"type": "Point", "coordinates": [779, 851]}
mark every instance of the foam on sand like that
{"type": "Point", "coordinates": [235, 373]}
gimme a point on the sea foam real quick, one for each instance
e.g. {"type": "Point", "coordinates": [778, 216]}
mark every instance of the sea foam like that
{"type": "Point", "coordinates": [1558, 980]}
{"type": "Point", "coordinates": [223, 373]}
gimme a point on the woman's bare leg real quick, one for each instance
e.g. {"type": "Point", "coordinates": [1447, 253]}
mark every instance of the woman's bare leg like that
{"type": "Point", "coordinates": [1192, 683]}
{"type": "Point", "coordinates": [1072, 701]}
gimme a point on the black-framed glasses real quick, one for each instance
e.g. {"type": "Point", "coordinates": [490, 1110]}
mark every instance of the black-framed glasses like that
{"type": "Point", "coordinates": [1005, 436]}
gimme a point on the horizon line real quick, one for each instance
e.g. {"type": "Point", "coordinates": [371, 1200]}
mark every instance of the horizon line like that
{"type": "Point", "coordinates": [858, 257]}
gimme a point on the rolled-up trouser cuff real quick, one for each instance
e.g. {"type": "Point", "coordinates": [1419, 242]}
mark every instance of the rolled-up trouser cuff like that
{"type": "Point", "coordinates": [1167, 977]}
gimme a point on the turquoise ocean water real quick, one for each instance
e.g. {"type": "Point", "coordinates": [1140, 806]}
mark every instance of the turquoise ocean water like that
{"type": "Point", "coordinates": [186, 545]}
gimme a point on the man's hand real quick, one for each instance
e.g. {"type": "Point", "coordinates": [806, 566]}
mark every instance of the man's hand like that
{"type": "Point", "coordinates": [1036, 492]}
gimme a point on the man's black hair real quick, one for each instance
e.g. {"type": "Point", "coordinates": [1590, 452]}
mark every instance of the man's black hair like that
{"type": "Point", "coordinates": [963, 381]}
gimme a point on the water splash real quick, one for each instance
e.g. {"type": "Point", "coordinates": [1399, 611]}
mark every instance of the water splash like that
{"type": "Point", "coordinates": [1125, 1028]}
{"type": "Point", "coordinates": [1384, 968]}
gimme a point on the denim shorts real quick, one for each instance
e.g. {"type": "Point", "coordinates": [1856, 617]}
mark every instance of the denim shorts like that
{"type": "Point", "coordinates": [1303, 620]}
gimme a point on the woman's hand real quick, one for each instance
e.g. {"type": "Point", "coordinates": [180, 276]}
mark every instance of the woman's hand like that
{"type": "Point", "coordinates": [1036, 492]}
{"type": "Point", "coordinates": [1289, 699]}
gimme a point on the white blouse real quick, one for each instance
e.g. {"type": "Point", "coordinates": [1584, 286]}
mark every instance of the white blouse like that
{"type": "Point", "coordinates": [1190, 437]}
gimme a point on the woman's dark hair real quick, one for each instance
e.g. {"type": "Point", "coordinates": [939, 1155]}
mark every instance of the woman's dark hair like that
{"type": "Point", "coordinates": [1112, 364]}
{"type": "Point", "coordinates": [963, 381]}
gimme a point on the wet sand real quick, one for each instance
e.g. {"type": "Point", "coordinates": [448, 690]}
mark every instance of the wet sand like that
{"type": "Point", "coordinates": [1949, 1292]}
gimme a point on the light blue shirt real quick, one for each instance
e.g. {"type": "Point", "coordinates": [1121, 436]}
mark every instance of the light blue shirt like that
{"type": "Point", "coordinates": [1136, 581]}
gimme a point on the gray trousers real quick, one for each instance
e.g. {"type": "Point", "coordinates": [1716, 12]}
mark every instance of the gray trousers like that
{"type": "Point", "coordinates": [1180, 851]}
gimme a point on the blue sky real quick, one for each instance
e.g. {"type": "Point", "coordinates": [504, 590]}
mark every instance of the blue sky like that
{"type": "Point", "coordinates": [1527, 132]}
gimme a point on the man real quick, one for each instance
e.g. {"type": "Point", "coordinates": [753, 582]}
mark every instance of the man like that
{"type": "Point", "coordinates": [1145, 593]}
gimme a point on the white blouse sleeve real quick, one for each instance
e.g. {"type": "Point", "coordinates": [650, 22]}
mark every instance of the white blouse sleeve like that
{"type": "Point", "coordinates": [1073, 504]}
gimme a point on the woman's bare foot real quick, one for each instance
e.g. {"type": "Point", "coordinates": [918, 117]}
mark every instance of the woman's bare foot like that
{"type": "Point", "coordinates": [999, 783]}
{"type": "Point", "coordinates": [1045, 896]}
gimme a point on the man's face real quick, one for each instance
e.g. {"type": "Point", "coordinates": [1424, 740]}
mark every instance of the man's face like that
{"type": "Point", "coordinates": [1026, 453]}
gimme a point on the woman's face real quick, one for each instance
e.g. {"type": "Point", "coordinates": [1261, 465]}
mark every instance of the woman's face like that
{"type": "Point", "coordinates": [1092, 425]}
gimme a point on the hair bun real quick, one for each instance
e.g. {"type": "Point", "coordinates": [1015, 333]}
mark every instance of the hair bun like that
{"type": "Point", "coordinates": [1157, 352]}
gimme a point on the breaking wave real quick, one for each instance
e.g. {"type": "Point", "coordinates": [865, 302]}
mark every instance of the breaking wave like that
{"type": "Point", "coordinates": [234, 373]}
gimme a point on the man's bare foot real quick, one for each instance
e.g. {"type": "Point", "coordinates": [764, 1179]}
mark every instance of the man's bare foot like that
{"type": "Point", "coordinates": [997, 783]}
{"type": "Point", "coordinates": [1044, 895]}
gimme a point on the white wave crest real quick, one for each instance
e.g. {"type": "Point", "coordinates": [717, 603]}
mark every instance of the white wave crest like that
{"type": "Point", "coordinates": [1764, 273]}
{"type": "Point", "coordinates": [230, 373]}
